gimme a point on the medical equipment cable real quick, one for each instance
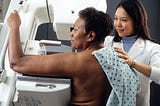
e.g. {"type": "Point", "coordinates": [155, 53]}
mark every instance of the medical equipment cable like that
{"type": "Point", "coordinates": [48, 18]}
{"type": "Point", "coordinates": [48, 11]}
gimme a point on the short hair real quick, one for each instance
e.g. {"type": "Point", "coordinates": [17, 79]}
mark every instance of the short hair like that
{"type": "Point", "coordinates": [97, 21]}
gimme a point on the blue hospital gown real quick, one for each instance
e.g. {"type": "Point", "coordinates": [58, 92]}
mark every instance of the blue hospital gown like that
{"type": "Point", "coordinates": [124, 80]}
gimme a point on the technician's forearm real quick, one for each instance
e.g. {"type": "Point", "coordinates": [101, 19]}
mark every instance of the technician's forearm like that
{"type": "Point", "coordinates": [145, 69]}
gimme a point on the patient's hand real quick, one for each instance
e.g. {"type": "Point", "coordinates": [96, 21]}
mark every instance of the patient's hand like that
{"type": "Point", "coordinates": [14, 20]}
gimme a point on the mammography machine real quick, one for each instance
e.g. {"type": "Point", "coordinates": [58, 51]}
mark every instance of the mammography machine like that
{"type": "Point", "coordinates": [45, 26]}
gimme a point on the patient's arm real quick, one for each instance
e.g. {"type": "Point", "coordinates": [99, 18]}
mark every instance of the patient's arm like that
{"type": "Point", "coordinates": [32, 64]}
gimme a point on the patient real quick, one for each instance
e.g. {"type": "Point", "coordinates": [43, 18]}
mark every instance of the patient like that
{"type": "Point", "coordinates": [90, 85]}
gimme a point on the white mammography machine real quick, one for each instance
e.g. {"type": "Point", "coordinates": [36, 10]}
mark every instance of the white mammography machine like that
{"type": "Point", "coordinates": [56, 17]}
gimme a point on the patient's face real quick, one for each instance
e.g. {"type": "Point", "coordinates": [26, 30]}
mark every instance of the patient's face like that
{"type": "Point", "coordinates": [78, 36]}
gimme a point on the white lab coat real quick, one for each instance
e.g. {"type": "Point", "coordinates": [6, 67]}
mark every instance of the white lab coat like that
{"type": "Point", "coordinates": [146, 52]}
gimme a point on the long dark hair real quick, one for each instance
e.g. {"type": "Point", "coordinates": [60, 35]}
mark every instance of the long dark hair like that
{"type": "Point", "coordinates": [137, 12]}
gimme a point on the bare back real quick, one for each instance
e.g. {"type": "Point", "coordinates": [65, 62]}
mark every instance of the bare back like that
{"type": "Point", "coordinates": [90, 84]}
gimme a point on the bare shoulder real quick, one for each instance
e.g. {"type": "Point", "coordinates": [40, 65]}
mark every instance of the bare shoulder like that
{"type": "Point", "coordinates": [87, 62]}
{"type": "Point", "coordinates": [68, 63]}
{"type": "Point", "coordinates": [76, 63]}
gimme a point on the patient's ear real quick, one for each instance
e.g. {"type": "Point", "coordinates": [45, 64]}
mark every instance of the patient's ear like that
{"type": "Point", "coordinates": [91, 36]}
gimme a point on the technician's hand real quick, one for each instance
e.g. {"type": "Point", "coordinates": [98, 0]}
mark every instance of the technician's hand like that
{"type": "Point", "coordinates": [124, 55]}
{"type": "Point", "coordinates": [14, 20]}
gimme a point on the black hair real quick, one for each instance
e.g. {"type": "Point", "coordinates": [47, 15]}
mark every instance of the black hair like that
{"type": "Point", "coordinates": [97, 21]}
{"type": "Point", "coordinates": [137, 12]}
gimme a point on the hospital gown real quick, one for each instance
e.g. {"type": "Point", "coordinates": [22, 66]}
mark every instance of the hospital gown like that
{"type": "Point", "coordinates": [124, 80]}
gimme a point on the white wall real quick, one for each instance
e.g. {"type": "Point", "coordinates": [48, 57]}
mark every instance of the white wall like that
{"type": "Point", "coordinates": [5, 4]}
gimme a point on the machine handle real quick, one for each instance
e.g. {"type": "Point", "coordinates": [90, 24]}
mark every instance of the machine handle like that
{"type": "Point", "coordinates": [48, 85]}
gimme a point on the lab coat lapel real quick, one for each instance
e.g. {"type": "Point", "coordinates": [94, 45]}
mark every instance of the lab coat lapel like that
{"type": "Point", "coordinates": [119, 44]}
{"type": "Point", "coordinates": [137, 48]}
